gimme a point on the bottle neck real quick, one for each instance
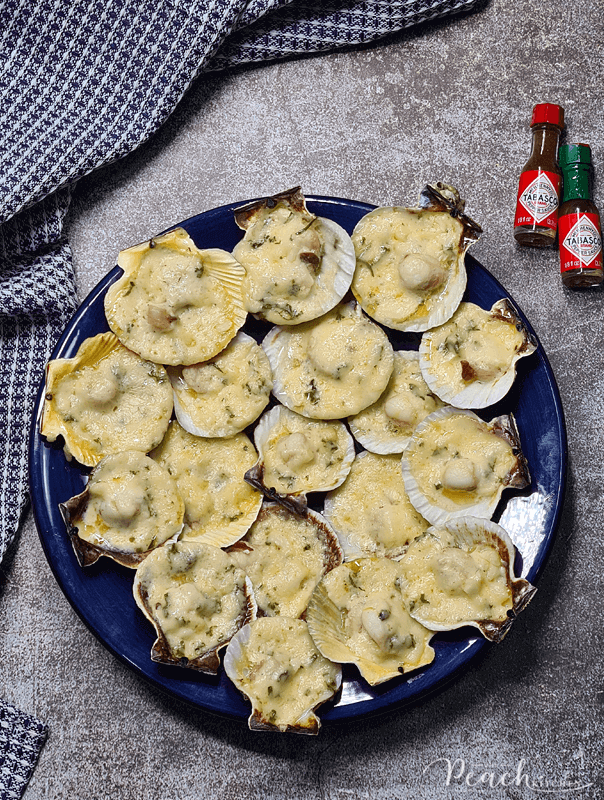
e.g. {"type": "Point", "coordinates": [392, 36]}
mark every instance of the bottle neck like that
{"type": "Point", "coordinates": [576, 180]}
{"type": "Point", "coordinates": [544, 150]}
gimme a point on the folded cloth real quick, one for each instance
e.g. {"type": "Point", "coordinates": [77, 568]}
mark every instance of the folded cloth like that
{"type": "Point", "coordinates": [21, 738]}
{"type": "Point", "coordinates": [82, 84]}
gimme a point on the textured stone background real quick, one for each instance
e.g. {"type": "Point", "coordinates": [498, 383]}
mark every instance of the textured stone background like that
{"type": "Point", "coordinates": [450, 101]}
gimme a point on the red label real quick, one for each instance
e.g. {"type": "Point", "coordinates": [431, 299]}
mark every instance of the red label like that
{"type": "Point", "coordinates": [580, 240]}
{"type": "Point", "coordinates": [538, 199]}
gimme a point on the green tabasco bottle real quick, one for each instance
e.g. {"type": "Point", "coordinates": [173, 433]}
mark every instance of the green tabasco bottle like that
{"type": "Point", "coordinates": [579, 231]}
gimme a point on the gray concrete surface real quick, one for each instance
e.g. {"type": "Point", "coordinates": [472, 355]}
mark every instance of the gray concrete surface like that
{"type": "Point", "coordinates": [447, 101]}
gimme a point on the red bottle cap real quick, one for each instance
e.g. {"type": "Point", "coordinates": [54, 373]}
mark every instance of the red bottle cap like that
{"type": "Point", "coordinates": [548, 112]}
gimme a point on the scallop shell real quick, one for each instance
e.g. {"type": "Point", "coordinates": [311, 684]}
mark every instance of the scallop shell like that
{"type": "Point", "coordinates": [371, 512]}
{"type": "Point", "coordinates": [455, 376]}
{"type": "Point", "coordinates": [443, 580]}
{"type": "Point", "coordinates": [288, 286]}
{"type": "Point", "coordinates": [409, 276]}
{"type": "Point", "coordinates": [358, 615]}
{"type": "Point", "coordinates": [332, 367]}
{"type": "Point", "coordinates": [446, 489]}
{"type": "Point", "coordinates": [386, 426]}
{"type": "Point", "coordinates": [211, 599]}
{"type": "Point", "coordinates": [279, 653]}
{"type": "Point", "coordinates": [285, 555]}
{"type": "Point", "coordinates": [121, 515]}
{"type": "Point", "coordinates": [298, 455]}
{"type": "Point", "coordinates": [86, 386]}
{"type": "Point", "coordinates": [209, 473]}
{"type": "Point", "coordinates": [224, 395]}
{"type": "Point", "coordinates": [176, 304]}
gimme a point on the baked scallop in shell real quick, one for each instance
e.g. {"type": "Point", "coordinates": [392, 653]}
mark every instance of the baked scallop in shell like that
{"type": "Point", "coordinates": [462, 573]}
{"type": "Point", "coordinates": [274, 662]}
{"type": "Point", "coordinates": [297, 455]}
{"type": "Point", "coordinates": [358, 615]}
{"type": "Point", "coordinates": [129, 507]}
{"type": "Point", "coordinates": [196, 599]}
{"type": "Point", "coordinates": [387, 425]}
{"type": "Point", "coordinates": [224, 395]}
{"type": "Point", "coordinates": [410, 272]}
{"type": "Point", "coordinates": [332, 367]}
{"type": "Point", "coordinates": [104, 400]}
{"type": "Point", "coordinates": [458, 465]}
{"type": "Point", "coordinates": [298, 266]}
{"type": "Point", "coordinates": [371, 512]}
{"type": "Point", "coordinates": [209, 473]}
{"type": "Point", "coordinates": [470, 361]}
{"type": "Point", "coordinates": [285, 555]}
{"type": "Point", "coordinates": [176, 304]}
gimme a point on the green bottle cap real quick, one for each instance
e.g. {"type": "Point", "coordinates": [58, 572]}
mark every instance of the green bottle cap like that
{"type": "Point", "coordinates": [574, 154]}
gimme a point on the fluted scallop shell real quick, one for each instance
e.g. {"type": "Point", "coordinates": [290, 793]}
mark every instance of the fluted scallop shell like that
{"type": "Point", "coordinates": [371, 512]}
{"type": "Point", "coordinates": [386, 426]}
{"type": "Point", "coordinates": [457, 465]}
{"type": "Point", "coordinates": [332, 367]}
{"type": "Point", "coordinates": [285, 555]}
{"type": "Point", "coordinates": [104, 400]}
{"type": "Point", "coordinates": [129, 507]}
{"type": "Point", "coordinates": [358, 615]}
{"type": "Point", "coordinates": [410, 271]}
{"type": "Point", "coordinates": [298, 266]}
{"type": "Point", "coordinates": [470, 361]}
{"type": "Point", "coordinates": [176, 304]}
{"type": "Point", "coordinates": [224, 395]}
{"type": "Point", "coordinates": [278, 652]}
{"type": "Point", "coordinates": [209, 473]}
{"type": "Point", "coordinates": [462, 573]}
{"type": "Point", "coordinates": [196, 599]}
{"type": "Point", "coordinates": [297, 455]}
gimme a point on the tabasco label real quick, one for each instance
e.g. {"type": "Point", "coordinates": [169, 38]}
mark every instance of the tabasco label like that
{"type": "Point", "coordinates": [580, 241]}
{"type": "Point", "coordinates": [538, 199]}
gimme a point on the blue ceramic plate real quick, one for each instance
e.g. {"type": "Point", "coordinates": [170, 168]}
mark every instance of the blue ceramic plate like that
{"type": "Point", "coordinates": [102, 594]}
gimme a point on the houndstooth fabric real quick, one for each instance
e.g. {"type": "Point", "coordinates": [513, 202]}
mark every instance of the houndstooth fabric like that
{"type": "Point", "coordinates": [83, 83]}
{"type": "Point", "coordinates": [21, 738]}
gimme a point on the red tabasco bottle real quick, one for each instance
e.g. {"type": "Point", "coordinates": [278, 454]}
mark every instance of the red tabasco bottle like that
{"type": "Point", "coordinates": [539, 189]}
{"type": "Point", "coordinates": [579, 232]}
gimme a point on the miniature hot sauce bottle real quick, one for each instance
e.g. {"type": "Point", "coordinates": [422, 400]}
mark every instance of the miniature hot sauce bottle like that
{"type": "Point", "coordinates": [539, 188]}
{"type": "Point", "coordinates": [579, 231]}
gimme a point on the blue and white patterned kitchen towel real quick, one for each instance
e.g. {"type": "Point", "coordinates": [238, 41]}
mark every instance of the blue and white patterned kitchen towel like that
{"type": "Point", "coordinates": [83, 83]}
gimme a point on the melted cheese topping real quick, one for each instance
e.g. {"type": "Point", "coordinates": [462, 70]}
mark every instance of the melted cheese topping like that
{"type": "Point", "coordinates": [386, 426]}
{"type": "Point", "coordinates": [119, 403]}
{"type": "Point", "coordinates": [176, 304]}
{"type": "Point", "coordinates": [371, 511]}
{"type": "Point", "coordinates": [284, 557]}
{"type": "Point", "coordinates": [282, 672]}
{"type": "Point", "coordinates": [450, 585]}
{"type": "Point", "coordinates": [302, 455]}
{"type": "Point", "coordinates": [474, 345]}
{"type": "Point", "coordinates": [374, 622]}
{"type": "Point", "coordinates": [133, 505]}
{"type": "Point", "coordinates": [406, 258]}
{"type": "Point", "coordinates": [333, 367]}
{"type": "Point", "coordinates": [223, 396]}
{"type": "Point", "coordinates": [209, 476]}
{"type": "Point", "coordinates": [292, 261]}
{"type": "Point", "coordinates": [195, 596]}
{"type": "Point", "coordinates": [458, 460]}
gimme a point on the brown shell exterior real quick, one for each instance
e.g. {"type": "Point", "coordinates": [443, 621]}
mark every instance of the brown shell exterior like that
{"type": "Point", "coordinates": [504, 310]}
{"type": "Point", "coordinates": [505, 427]}
{"type": "Point", "coordinates": [245, 215]}
{"type": "Point", "coordinates": [293, 503]}
{"type": "Point", "coordinates": [442, 197]}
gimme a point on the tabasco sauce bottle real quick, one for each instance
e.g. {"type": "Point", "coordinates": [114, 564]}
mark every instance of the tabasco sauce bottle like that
{"type": "Point", "coordinates": [579, 232]}
{"type": "Point", "coordinates": [539, 189]}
